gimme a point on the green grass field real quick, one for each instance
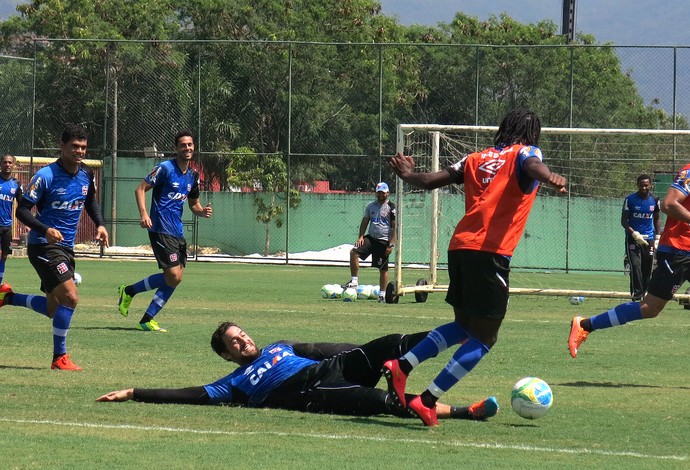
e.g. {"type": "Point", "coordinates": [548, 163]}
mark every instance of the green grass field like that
{"type": "Point", "coordinates": [624, 403]}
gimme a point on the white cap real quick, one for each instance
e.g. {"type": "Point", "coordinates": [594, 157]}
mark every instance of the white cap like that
{"type": "Point", "coordinates": [382, 187]}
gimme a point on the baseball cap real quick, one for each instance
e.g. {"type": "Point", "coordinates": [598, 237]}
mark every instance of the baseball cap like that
{"type": "Point", "coordinates": [382, 187]}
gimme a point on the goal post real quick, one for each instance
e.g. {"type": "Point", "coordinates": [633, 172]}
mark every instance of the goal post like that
{"type": "Point", "coordinates": [576, 232]}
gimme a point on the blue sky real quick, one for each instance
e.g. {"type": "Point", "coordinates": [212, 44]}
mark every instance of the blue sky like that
{"type": "Point", "coordinates": [623, 22]}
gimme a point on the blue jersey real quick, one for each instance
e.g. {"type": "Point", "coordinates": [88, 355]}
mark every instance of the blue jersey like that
{"type": "Point", "coordinates": [59, 198]}
{"type": "Point", "coordinates": [641, 213]}
{"type": "Point", "coordinates": [171, 188]}
{"type": "Point", "coordinates": [9, 190]}
{"type": "Point", "coordinates": [256, 381]}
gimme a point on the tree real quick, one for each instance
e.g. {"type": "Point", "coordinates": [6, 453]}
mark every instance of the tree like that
{"type": "Point", "coordinates": [266, 176]}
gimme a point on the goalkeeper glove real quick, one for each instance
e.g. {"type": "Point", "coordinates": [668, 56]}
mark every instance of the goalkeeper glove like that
{"type": "Point", "coordinates": [656, 241]}
{"type": "Point", "coordinates": [639, 239]}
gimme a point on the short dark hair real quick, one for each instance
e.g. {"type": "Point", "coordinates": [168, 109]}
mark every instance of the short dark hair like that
{"type": "Point", "coordinates": [183, 133]}
{"type": "Point", "coordinates": [14, 159]}
{"type": "Point", "coordinates": [520, 126]}
{"type": "Point", "coordinates": [643, 177]}
{"type": "Point", "coordinates": [217, 337]}
{"type": "Point", "coordinates": [74, 132]}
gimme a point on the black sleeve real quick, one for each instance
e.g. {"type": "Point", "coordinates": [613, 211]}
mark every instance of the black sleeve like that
{"type": "Point", "coordinates": [91, 204]}
{"type": "Point", "coordinates": [184, 396]}
{"type": "Point", "coordinates": [25, 216]}
{"type": "Point", "coordinates": [457, 170]}
{"type": "Point", "coordinates": [194, 193]}
{"type": "Point", "coordinates": [321, 351]}
{"type": "Point", "coordinates": [20, 191]}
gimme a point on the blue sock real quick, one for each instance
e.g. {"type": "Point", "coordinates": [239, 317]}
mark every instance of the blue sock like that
{"type": "Point", "coordinates": [619, 315]}
{"type": "Point", "coordinates": [160, 298]}
{"type": "Point", "coordinates": [2, 269]}
{"type": "Point", "coordinates": [61, 321]}
{"type": "Point", "coordinates": [465, 358]}
{"type": "Point", "coordinates": [37, 303]}
{"type": "Point", "coordinates": [154, 281]}
{"type": "Point", "coordinates": [436, 341]}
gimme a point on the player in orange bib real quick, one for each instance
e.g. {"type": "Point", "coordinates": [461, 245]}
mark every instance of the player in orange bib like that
{"type": "Point", "coordinates": [500, 185]}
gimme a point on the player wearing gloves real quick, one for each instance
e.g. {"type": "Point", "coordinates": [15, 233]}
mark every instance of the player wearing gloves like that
{"type": "Point", "coordinates": [640, 219]}
{"type": "Point", "coordinates": [314, 377]}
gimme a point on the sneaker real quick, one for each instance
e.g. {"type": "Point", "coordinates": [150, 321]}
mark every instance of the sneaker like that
{"type": "Point", "coordinates": [382, 298]}
{"type": "Point", "coordinates": [125, 301]}
{"type": "Point", "coordinates": [4, 290]}
{"type": "Point", "coordinates": [64, 363]}
{"type": "Point", "coordinates": [353, 284]}
{"type": "Point", "coordinates": [396, 379]}
{"type": "Point", "coordinates": [577, 336]}
{"type": "Point", "coordinates": [427, 415]}
{"type": "Point", "coordinates": [151, 326]}
{"type": "Point", "coordinates": [483, 409]}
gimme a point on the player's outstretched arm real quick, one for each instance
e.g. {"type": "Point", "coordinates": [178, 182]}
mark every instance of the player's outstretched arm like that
{"type": "Point", "coordinates": [403, 166]}
{"type": "Point", "coordinates": [118, 395]}
{"type": "Point", "coordinates": [536, 169]}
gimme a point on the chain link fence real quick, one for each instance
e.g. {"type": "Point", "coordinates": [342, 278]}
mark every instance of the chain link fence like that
{"type": "Point", "coordinates": [291, 138]}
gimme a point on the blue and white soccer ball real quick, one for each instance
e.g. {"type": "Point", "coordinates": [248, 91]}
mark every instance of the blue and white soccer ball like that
{"type": "Point", "coordinates": [576, 300]}
{"type": "Point", "coordinates": [363, 292]}
{"type": "Point", "coordinates": [349, 294]}
{"type": "Point", "coordinates": [374, 293]}
{"type": "Point", "coordinates": [77, 279]}
{"type": "Point", "coordinates": [531, 398]}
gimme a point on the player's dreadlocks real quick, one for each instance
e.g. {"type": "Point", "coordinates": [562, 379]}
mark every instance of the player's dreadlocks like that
{"type": "Point", "coordinates": [520, 126]}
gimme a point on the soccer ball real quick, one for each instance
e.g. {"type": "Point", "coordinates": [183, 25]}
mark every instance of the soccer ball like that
{"type": "Point", "coordinates": [77, 279]}
{"type": "Point", "coordinates": [349, 295]}
{"type": "Point", "coordinates": [363, 292]}
{"type": "Point", "coordinates": [337, 291]}
{"type": "Point", "coordinates": [531, 398]}
{"type": "Point", "coordinates": [576, 300]}
{"type": "Point", "coordinates": [374, 293]}
{"type": "Point", "coordinates": [326, 291]}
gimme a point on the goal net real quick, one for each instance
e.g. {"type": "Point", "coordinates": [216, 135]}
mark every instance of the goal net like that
{"type": "Point", "coordinates": [576, 232]}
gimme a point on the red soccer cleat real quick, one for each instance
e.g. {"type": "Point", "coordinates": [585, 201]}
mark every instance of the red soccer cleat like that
{"type": "Point", "coordinates": [577, 336]}
{"type": "Point", "coordinates": [64, 363]}
{"type": "Point", "coordinates": [4, 290]}
{"type": "Point", "coordinates": [396, 379]}
{"type": "Point", "coordinates": [427, 415]}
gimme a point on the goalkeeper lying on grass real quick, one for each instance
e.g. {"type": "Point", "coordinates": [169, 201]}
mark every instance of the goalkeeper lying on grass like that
{"type": "Point", "coordinates": [315, 377]}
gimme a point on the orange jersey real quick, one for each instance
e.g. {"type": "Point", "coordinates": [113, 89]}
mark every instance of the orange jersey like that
{"type": "Point", "coordinates": [676, 234]}
{"type": "Point", "coordinates": [498, 199]}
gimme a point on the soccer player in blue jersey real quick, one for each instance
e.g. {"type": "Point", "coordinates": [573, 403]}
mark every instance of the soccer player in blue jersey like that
{"type": "Point", "coordinates": [173, 183]}
{"type": "Point", "coordinates": [640, 219]}
{"type": "Point", "coordinates": [672, 269]}
{"type": "Point", "coordinates": [59, 192]}
{"type": "Point", "coordinates": [10, 190]}
{"type": "Point", "coordinates": [334, 378]}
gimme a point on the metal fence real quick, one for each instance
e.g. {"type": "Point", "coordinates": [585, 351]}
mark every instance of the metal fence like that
{"type": "Point", "coordinates": [326, 112]}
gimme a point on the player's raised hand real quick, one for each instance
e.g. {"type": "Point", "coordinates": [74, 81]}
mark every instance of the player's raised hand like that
{"type": "Point", "coordinates": [559, 182]}
{"type": "Point", "coordinates": [401, 164]}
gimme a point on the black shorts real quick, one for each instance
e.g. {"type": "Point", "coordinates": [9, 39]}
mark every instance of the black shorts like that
{"type": "Point", "coordinates": [670, 273]}
{"type": "Point", "coordinates": [6, 239]}
{"type": "Point", "coordinates": [54, 264]}
{"type": "Point", "coordinates": [169, 251]}
{"type": "Point", "coordinates": [478, 284]}
{"type": "Point", "coordinates": [345, 383]}
{"type": "Point", "coordinates": [377, 250]}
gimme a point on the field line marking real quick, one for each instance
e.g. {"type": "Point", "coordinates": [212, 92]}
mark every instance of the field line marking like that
{"type": "Point", "coordinates": [352, 437]}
